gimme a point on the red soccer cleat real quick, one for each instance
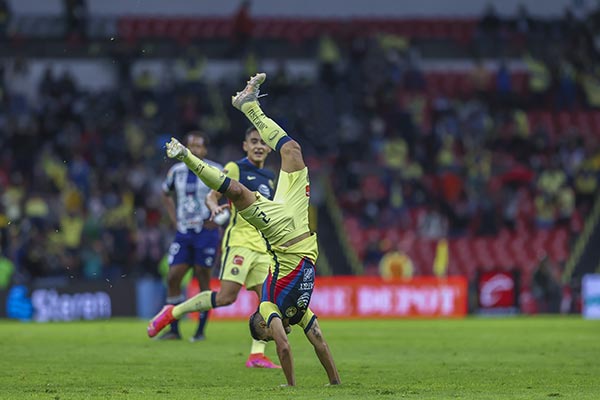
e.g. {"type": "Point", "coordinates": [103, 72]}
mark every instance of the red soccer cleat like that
{"type": "Point", "coordinates": [259, 360]}
{"type": "Point", "coordinates": [160, 320]}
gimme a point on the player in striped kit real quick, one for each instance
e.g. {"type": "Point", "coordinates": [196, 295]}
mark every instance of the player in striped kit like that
{"type": "Point", "coordinates": [196, 240]}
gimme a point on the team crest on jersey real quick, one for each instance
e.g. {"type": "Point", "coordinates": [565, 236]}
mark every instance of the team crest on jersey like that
{"type": "Point", "coordinates": [235, 271]}
{"type": "Point", "coordinates": [291, 311]}
{"type": "Point", "coordinates": [308, 275]}
{"type": "Point", "coordinates": [307, 190]}
{"type": "Point", "coordinates": [238, 260]}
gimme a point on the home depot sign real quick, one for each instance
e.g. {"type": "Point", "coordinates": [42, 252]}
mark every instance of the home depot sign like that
{"type": "Point", "coordinates": [368, 297]}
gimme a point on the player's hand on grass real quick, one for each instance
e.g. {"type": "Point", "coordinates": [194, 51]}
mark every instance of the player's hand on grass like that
{"type": "Point", "coordinates": [176, 149]}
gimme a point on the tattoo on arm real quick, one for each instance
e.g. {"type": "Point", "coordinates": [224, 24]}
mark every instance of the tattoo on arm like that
{"type": "Point", "coordinates": [316, 332]}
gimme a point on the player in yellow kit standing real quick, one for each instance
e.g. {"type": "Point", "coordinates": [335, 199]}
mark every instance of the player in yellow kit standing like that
{"type": "Point", "coordinates": [283, 223]}
{"type": "Point", "coordinates": [244, 257]}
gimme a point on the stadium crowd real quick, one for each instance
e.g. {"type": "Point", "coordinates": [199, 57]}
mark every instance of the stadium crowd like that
{"type": "Point", "coordinates": [80, 171]}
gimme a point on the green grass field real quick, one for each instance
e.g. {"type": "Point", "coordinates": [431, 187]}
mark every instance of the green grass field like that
{"type": "Point", "coordinates": [508, 358]}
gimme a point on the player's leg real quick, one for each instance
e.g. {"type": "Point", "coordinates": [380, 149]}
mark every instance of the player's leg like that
{"type": "Point", "coordinates": [179, 258]}
{"type": "Point", "coordinates": [203, 274]}
{"type": "Point", "coordinates": [214, 178]}
{"type": "Point", "coordinates": [174, 296]}
{"type": "Point", "coordinates": [273, 134]}
{"type": "Point", "coordinates": [205, 250]}
{"type": "Point", "coordinates": [234, 270]}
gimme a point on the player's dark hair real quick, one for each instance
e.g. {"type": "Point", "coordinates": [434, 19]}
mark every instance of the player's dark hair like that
{"type": "Point", "coordinates": [249, 131]}
{"type": "Point", "coordinates": [198, 134]}
{"type": "Point", "coordinates": [252, 322]}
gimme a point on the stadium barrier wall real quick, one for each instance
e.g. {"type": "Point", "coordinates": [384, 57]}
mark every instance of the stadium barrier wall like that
{"type": "Point", "coordinates": [351, 297]}
{"type": "Point", "coordinates": [338, 297]}
{"type": "Point", "coordinates": [590, 291]}
{"type": "Point", "coordinates": [45, 302]}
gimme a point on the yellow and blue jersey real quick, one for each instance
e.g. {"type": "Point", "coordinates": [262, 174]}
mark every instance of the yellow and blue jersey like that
{"type": "Point", "coordinates": [239, 233]}
{"type": "Point", "coordinates": [290, 281]}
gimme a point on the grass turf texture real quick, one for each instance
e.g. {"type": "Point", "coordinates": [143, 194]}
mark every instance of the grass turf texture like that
{"type": "Point", "coordinates": [516, 358]}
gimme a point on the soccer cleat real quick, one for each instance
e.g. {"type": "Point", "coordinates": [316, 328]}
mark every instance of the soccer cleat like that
{"type": "Point", "coordinates": [160, 320]}
{"type": "Point", "coordinates": [169, 336]}
{"type": "Point", "coordinates": [259, 360]}
{"type": "Point", "coordinates": [250, 92]}
{"type": "Point", "coordinates": [197, 338]}
{"type": "Point", "coordinates": [176, 149]}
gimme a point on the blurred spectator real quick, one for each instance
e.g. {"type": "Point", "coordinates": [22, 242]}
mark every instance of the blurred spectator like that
{"type": "Point", "coordinates": [539, 80]}
{"type": "Point", "coordinates": [192, 69]}
{"type": "Point", "coordinates": [565, 204]}
{"type": "Point", "coordinates": [20, 88]}
{"type": "Point", "coordinates": [489, 32]}
{"type": "Point", "coordinates": [480, 77]}
{"type": "Point", "coordinates": [242, 30]}
{"type": "Point", "coordinates": [31, 257]}
{"type": "Point", "coordinates": [5, 18]}
{"type": "Point", "coordinates": [7, 269]}
{"type": "Point", "coordinates": [328, 59]}
{"type": "Point", "coordinates": [567, 87]}
{"type": "Point", "coordinates": [545, 211]}
{"type": "Point", "coordinates": [432, 224]}
{"type": "Point", "coordinates": [503, 84]}
{"type": "Point", "coordinates": [75, 19]}
{"type": "Point", "coordinates": [150, 245]}
{"type": "Point", "coordinates": [586, 185]}
{"type": "Point", "coordinates": [591, 88]}
{"type": "Point", "coordinates": [546, 288]}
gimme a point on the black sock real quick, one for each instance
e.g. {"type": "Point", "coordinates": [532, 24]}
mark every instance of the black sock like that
{"type": "Point", "coordinates": [202, 323]}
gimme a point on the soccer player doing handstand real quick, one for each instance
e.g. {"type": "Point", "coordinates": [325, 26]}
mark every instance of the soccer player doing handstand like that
{"type": "Point", "coordinates": [283, 223]}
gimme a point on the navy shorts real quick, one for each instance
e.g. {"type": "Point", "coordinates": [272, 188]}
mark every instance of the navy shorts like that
{"type": "Point", "coordinates": [195, 248]}
{"type": "Point", "coordinates": [291, 293]}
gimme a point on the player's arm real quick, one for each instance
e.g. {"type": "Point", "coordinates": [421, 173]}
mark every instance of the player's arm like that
{"type": "Point", "coordinates": [284, 351]}
{"type": "Point", "coordinates": [168, 186]}
{"type": "Point", "coordinates": [169, 204]}
{"type": "Point", "coordinates": [315, 336]}
{"type": "Point", "coordinates": [212, 202]}
{"type": "Point", "coordinates": [232, 171]}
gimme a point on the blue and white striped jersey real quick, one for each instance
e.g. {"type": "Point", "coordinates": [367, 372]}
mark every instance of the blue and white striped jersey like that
{"type": "Point", "coordinates": [190, 196]}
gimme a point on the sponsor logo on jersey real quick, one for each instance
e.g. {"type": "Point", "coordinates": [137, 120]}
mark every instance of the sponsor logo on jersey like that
{"type": "Point", "coordinates": [251, 177]}
{"type": "Point", "coordinates": [303, 301]}
{"type": "Point", "coordinates": [264, 190]}
{"type": "Point", "coordinates": [238, 260]}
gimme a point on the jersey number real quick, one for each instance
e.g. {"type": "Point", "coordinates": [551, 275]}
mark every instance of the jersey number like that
{"type": "Point", "coordinates": [261, 214]}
